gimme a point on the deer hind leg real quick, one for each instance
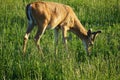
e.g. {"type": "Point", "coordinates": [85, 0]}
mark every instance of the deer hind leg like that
{"type": "Point", "coordinates": [40, 31]}
{"type": "Point", "coordinates": [29, 29]}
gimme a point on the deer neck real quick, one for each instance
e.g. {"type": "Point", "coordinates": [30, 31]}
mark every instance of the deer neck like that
{"type": "Point", "coordinates": [79, 30]}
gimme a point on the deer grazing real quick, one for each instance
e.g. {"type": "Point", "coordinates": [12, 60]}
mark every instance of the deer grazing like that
{"type": "Point", "coordinates": [56, 16]}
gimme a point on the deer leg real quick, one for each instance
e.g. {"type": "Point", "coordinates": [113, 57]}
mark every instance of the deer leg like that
{"type": "Point", "coordinates": [64, 34]}
{"type": "Point", "coordinates": [37, 38]}
{"type": "Point", "coordinates": [38, 35]}
{"type": "Point", "coordinates": [56, 39]}
{"type": "Point", "coordinates": [29, 29]}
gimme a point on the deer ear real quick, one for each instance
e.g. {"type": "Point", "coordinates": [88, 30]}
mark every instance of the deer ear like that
{"type": "Point", "coordinates": [89, 32]}
{"type": "Point", "coordinates": [95, 34]}
{"type": "Point", "coordinates": [98, 31]}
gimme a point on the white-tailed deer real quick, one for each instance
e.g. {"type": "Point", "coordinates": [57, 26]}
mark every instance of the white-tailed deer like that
{"type": "Point", "coordinates": [56, 16]}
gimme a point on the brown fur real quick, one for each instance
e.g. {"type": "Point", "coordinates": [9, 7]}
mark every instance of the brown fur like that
{"type": "Point", "coordinates": [57, 16]}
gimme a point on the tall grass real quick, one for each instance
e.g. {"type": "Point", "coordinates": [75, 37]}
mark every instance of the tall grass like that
{"type": "Point", "coordinates": [103, 64]}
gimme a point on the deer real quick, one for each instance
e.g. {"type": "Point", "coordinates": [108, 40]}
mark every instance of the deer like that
{"type": "Point", "coordinates": [55, 16]}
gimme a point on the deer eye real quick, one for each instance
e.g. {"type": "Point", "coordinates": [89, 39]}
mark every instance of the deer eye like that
{"type": "Point", "coordinates": [90, 42]}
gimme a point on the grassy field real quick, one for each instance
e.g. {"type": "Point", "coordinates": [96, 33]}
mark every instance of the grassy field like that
{"type": "Point", "coordinates": [103, 64]}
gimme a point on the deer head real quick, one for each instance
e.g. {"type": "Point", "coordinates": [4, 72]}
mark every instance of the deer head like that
{"type": "Point", "coordinates": [89, 41]}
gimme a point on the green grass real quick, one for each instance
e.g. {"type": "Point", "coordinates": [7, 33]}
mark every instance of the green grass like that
{"type": "Point", "coordinates": [103, 64]}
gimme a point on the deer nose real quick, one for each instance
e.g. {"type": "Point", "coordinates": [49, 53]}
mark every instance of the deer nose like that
{"type": "Point", "coordinates": [91, 44]}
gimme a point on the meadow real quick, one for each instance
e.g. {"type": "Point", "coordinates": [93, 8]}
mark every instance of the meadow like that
{"type": "Point", "coordinates": [102, 64]}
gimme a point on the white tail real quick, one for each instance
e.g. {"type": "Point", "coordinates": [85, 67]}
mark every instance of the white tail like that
{"type": "Point", "coordinates": [56, 16]}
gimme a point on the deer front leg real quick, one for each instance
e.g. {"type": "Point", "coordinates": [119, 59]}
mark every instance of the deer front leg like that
{"type": "Point", "coordinates": [56, 39]}
{"type": "Point", "coordinates": [64, 33]}
{"type": "Point", "coordinates": [29, 29]}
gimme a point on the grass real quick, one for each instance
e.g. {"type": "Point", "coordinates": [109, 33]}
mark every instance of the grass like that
{"type": "Point", "coordinates": [103, 64]}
